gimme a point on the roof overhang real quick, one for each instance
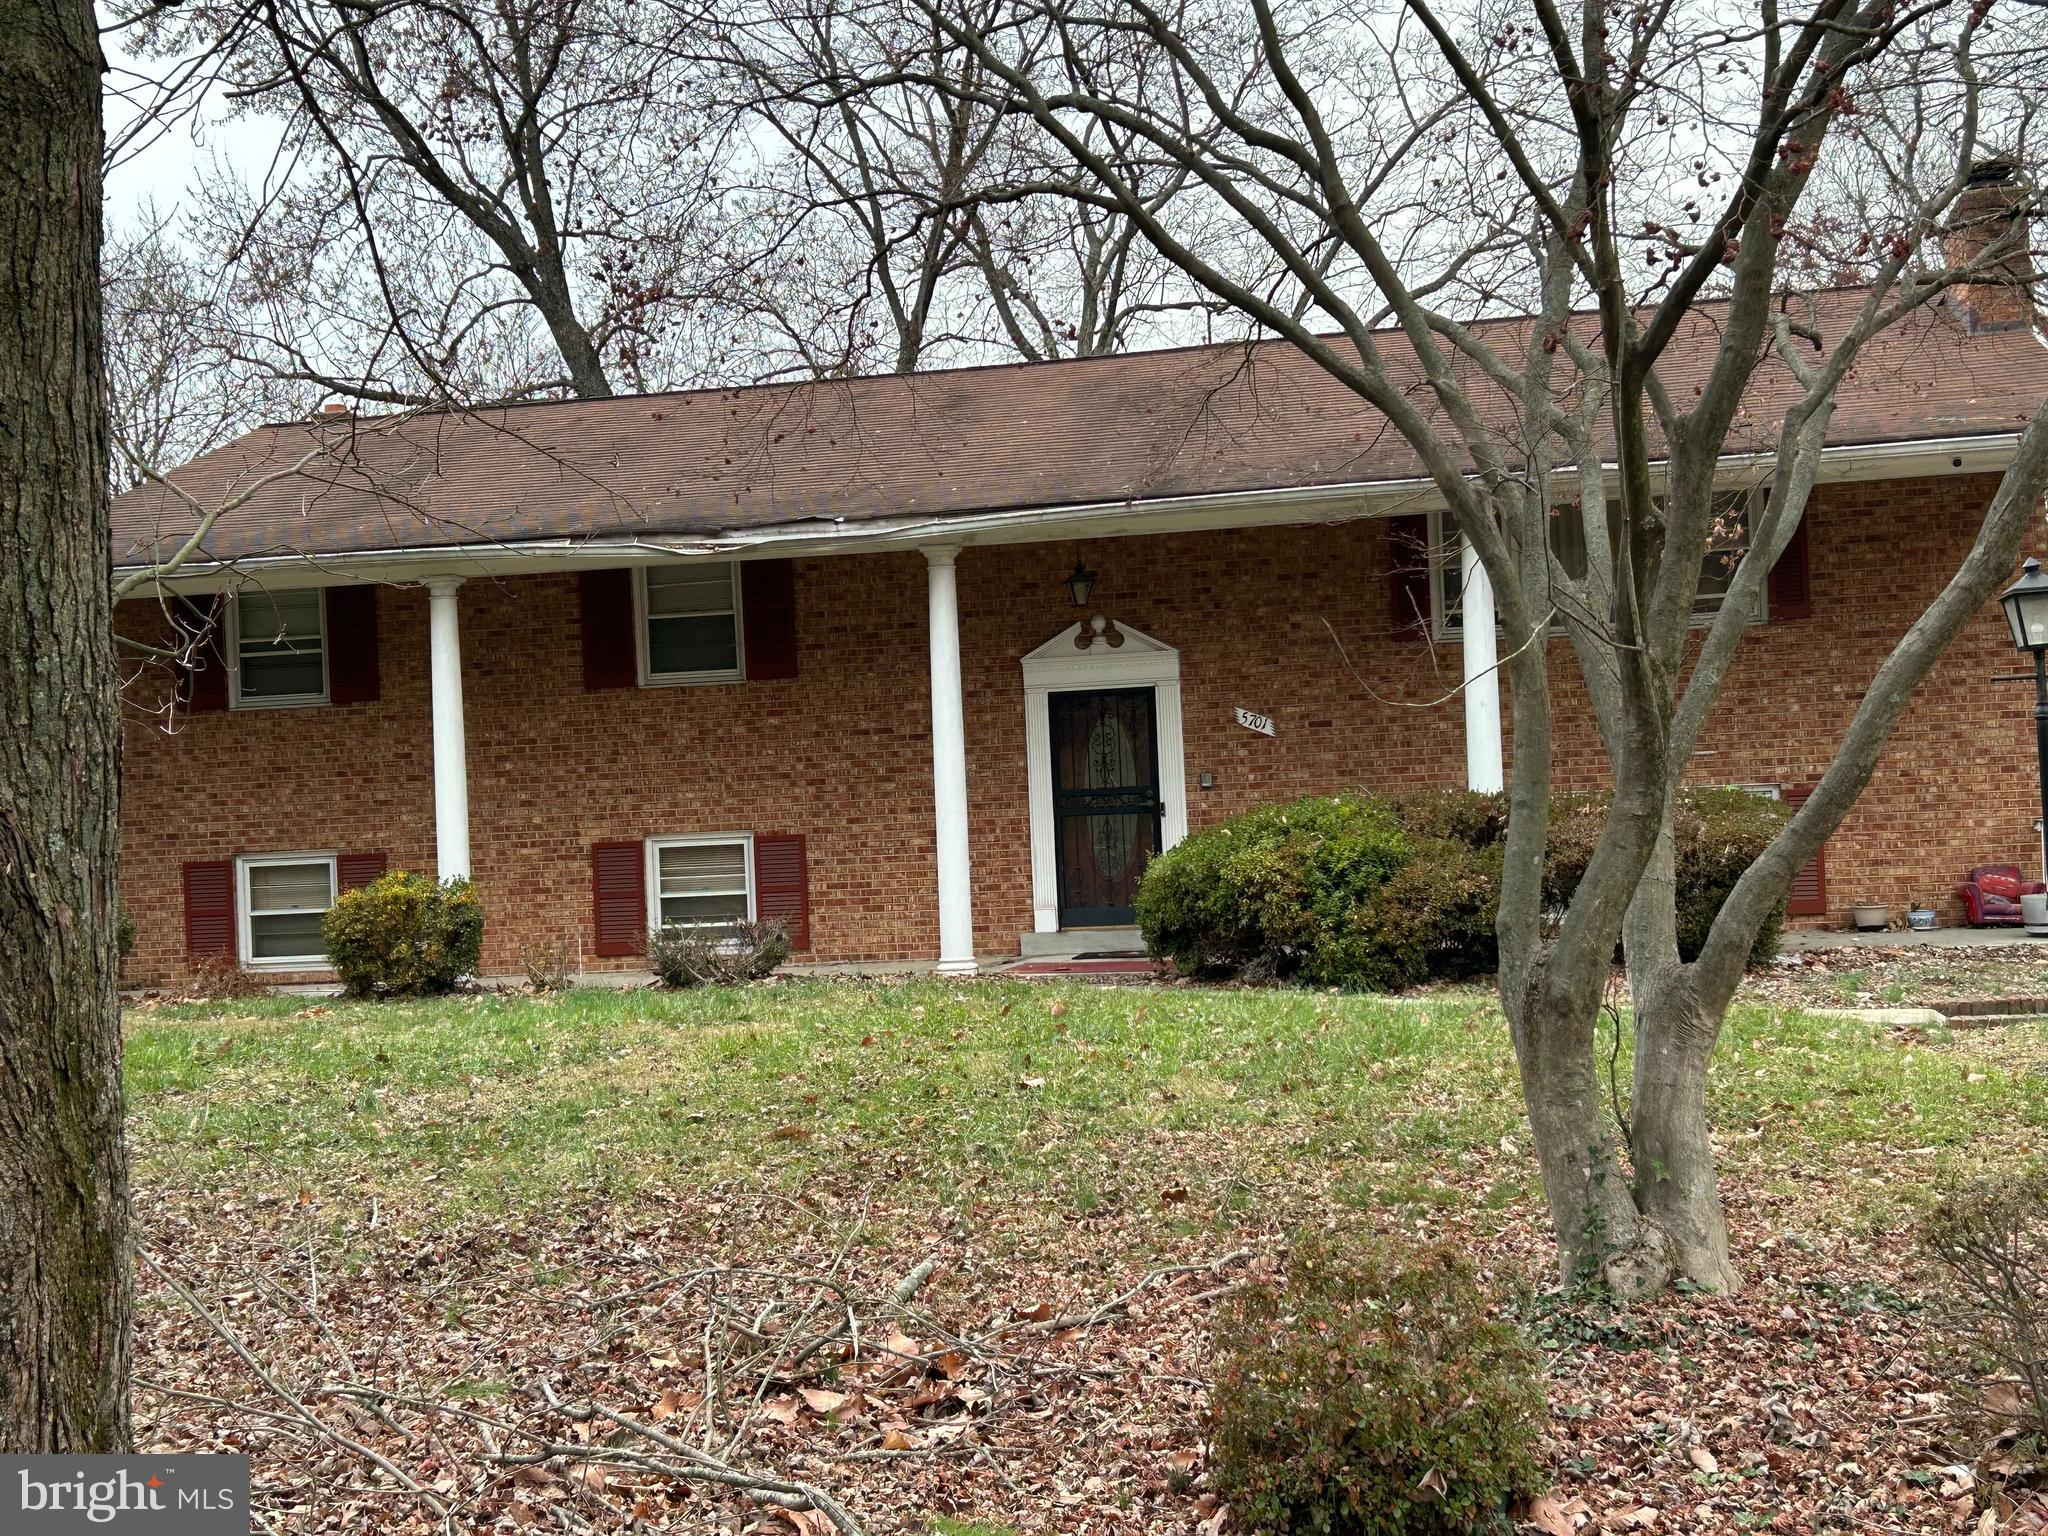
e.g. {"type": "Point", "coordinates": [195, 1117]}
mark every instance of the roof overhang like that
{"type": "Point", "coordinates": [1970, 455]}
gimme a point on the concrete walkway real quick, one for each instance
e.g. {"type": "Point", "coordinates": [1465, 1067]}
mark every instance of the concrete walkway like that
{"type": "Point", "coordinates": [1797, 940]}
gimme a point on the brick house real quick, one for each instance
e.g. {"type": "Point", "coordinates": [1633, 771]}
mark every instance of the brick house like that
{"type": "Point", "coordinates": [816, 651]}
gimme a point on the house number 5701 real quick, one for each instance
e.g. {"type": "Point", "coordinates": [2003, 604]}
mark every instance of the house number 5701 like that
{"type": "Point", "coordinates": [1263, 724]}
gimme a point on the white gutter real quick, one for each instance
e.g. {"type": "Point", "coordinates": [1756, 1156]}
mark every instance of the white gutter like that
{"type": "Point", "coordinates": [1207, 511]}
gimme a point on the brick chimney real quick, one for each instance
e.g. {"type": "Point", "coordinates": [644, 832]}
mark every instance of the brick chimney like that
{"type": "Point", "coordinates": [1989, 229]}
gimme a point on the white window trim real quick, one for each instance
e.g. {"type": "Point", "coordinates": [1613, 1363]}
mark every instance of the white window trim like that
{"type": "Point", "coordinates": [696, 840]}
{"type": "Point", "coordinates": [272, 701]}
{"type": "Point", "coordinates": [246, 941]}
{"type": "Point", "coordinates": [652, 679]}
{"type": "Point", "coordinates": [1446, 546]}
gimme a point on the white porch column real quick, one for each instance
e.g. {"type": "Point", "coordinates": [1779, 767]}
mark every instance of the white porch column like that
{"type": "Point", "coordinates": [949, 767]}
{"type": "Point", "coordinates": [1482, 676]}
{"type": "Point", "coordinates": [451, 754]}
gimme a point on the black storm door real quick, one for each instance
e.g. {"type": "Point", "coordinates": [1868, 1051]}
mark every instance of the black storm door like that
{"type": "Point", "coordinates": [1105, 801]}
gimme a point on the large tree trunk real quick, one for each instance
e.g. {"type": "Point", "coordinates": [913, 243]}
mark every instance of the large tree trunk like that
{"type": "Point", "coordinates": [1676, 1186]}
{"type": "Point", "coordinates": [1600, 1235]}
{"type": "Point", "coordinates": [64, 1261]}
{"type": "Point", "coordinates": [549, 288]}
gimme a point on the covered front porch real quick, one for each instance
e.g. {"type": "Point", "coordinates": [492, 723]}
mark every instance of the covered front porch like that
{"type": "Point", "coordinates": [1103, 771]}
{"type": "Point", "coordinates": [975, 654]}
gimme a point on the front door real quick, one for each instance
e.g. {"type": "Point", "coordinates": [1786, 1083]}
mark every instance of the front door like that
{"type": "Point", "coordinates": [1105, 801]}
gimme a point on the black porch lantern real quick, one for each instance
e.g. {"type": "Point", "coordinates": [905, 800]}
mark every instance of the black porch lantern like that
{"type": "Point", "coordinates": [2026, 608]}
{"type": "Point", "coordinates": [1082, 582]}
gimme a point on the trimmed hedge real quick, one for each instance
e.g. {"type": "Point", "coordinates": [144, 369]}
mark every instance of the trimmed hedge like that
{"type": "Point", "coordinates": [1378, 893]}
{"type": "Point", "coordinates": [1717, 834]}
{"type": "Point", "coordinates": [1372, 1394]}
{"type": "Point", "coordinates": [1276, 892]}
{"type": "Point", "coordinates": [1433, 921]}
{"type": "Point", "coordinates": [403, 934]}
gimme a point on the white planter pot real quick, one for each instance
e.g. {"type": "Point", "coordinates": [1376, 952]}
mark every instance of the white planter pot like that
{"type": "Point", "coordinates": [1870, 919]}
{"type": "Point", "coordinates": [2034, 913]}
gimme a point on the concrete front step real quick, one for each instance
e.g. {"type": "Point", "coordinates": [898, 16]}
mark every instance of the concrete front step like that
{"type": "Point", "coordinates": [1069, 942]}
{"type": "Point", "coordinates": [1126, 969]}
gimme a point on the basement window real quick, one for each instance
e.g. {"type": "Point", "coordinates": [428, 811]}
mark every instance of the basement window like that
{"type": "Point", "coordinates": [279, 642]}
{"type": "Point", "coordinates": [700, 882]}
{"type": "Point", "coordinates": [283, 897]}
{"type": "Point", "coordinates": [689, 623]}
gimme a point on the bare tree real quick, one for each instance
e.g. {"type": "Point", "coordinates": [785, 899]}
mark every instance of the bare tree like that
{"type": "Point", "coordinates": [466, 202]}
{"type": "Point", "coordinates": [861, 240]}
{"type": "Point", "coordinates": [1070, 278]}
{"type": "Point", "coordinates": [174, 388]}
{"type": "Point", "coordinates": [1380, 183]}
{"type": "Point", "coordinates": [545, 198]}
{"type": "Point", "coordinates": [65, 1287]}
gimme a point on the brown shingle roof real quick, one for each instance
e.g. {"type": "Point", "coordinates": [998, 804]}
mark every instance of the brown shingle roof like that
{"type": "Point", "coordinates": [1087, 432]}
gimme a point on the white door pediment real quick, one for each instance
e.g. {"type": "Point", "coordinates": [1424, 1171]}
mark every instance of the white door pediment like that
{"type": "Point", "coordinates": [1115, 643]}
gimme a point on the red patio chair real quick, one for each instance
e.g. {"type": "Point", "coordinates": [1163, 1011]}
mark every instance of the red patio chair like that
{"type": "Point", "coordinates": [1991, 895]}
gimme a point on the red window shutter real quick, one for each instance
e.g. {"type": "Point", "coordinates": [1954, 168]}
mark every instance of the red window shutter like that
{"type": "Point", "coordinates": [1809, 894]}
{"type": "Point", "coordinates": [209, 909]}
{"type": "Point", "coordinates": [611, 652]}
{"type": "Point", "coordinates": [1408, 570]}
{"type": "Point", "coordinates": [352, 871]}
{"type": "Point", "coordinates": [618, 881]}
{"type": "Point", "coordinates": [782, 885]}
{"type": "Point", "coordinates": [205, 681]}
{"type": "Point", "coordinates": [768, 617]}
{"type": "Point", "coordinates": [1791, 587]}
{"type": "Point", "coordinates": [352, 667]}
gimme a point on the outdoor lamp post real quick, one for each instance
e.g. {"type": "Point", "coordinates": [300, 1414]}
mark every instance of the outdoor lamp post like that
{"type": "Point", "coordinates": [2026, 610]}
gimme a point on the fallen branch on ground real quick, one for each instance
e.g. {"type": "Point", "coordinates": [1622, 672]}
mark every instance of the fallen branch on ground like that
{"type": "Point", "coordinates": [783, 1370]}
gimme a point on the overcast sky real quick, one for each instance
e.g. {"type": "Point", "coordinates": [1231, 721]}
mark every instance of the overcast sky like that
{"type": "Point", "coordinates": [165, 166]}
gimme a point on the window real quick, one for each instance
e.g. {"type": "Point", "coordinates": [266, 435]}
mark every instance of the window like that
{"type": "Point", "coordinates": [283, 898]}
{"type": "Point", "coordinates": [1727, 543]}
{"type": "Point", "coordinates": [1447, 569]}
{"type": "Point", "coordinates": [1447, 575]}
{"type": "Point", "coordinates": [279, 644]}
{"type": "Point", "coordinates": [1568, 537]}
{"type": "Point", "coordinates": [700, 882]}
{"type": "Point", "coordinates": [690, 623]}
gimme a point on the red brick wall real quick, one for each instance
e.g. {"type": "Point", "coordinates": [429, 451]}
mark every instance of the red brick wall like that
{"type": "Point", "coordinates": [1264, 619]}
{"type": "Point", "coordinates": [1957, 785]}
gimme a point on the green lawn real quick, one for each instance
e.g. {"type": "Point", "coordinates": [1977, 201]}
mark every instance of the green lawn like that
{"type": "Point", "coordinates": [461, 1197]}
{"type": "Point", "coordinates": [1075, 1095]}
